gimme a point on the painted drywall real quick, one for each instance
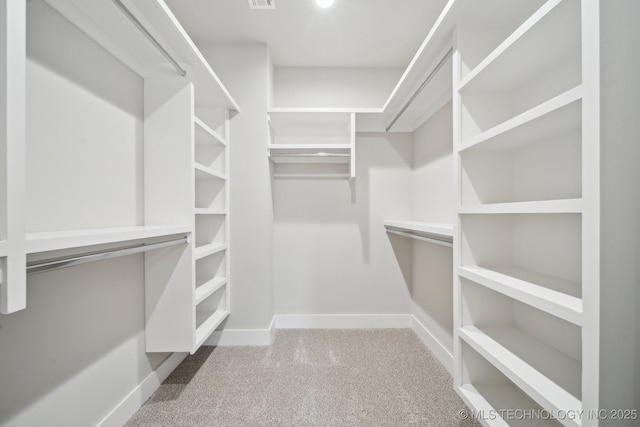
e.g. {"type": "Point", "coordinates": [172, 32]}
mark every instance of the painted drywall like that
{"type": "Point", "coordinates": [332, 254]}
{"type": "Point", "coordinates": [333, 87]}
{"type": "Point", "coordinates": [432, 201]}
{"type": "Point", "coordinates": [244, 69]}
{"type": "Point", "coordinates": [620, 201]}
{"type": "Point", "coordinates": [78, 348]}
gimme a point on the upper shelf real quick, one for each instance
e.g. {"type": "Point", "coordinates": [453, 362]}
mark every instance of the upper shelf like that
{"type": "Point", "coordinates": [439, 230]}
{"type": "Point", "coordinates": [57, 240]}
{"type": "Point", "coordinates": [105, 23]}
{"type": "Point", "coordinates": [488, 13]}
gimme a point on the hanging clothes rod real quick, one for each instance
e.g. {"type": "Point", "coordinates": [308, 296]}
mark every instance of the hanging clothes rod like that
{"type": "Point", "coordinates": [419, 237]}
{"type": "Point", "coordinates": [72, 261]}
{"type": "Point", "coordinates": [310, 155]}
{"type": "Point", "coordinates": [424, 84]}
{"type": "Point", "coordinates": [148, 35]}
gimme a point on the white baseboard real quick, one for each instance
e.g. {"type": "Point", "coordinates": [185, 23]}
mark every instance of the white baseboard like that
{"type": "Point", "coordinates": [342, 321]}
{"type": "Point", "coordinates": [134, 400]}
{"type": "Point", "coordinates": [441, 352]}
{"type": "Point", "coordinates": [241, 337]}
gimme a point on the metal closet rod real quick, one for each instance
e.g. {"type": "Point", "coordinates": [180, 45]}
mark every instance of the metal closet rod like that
{"type": "Point", "coordinates": [426, 81]}
{"type": "Point", "coordinates": [148, 35]}
{"type": "Point", "coordinates": [419, 237]}
{"type": "Point", "coordinates": [72, 261]}
{"type": "Point", "coordinates": [310, 155]}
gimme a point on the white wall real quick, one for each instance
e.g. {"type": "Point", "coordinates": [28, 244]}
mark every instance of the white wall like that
{"type": "Point", "coordinates": [332, 254]}
{"type": "Point", "coordinates": [333, 87]}
{"type": "Point", "coordinates": [78, 348]}
{"type": "Point", "coordinates": [245, 70]}
{"type": "Point", "coordinates": [620, 212]}
{"type": "Point", "coordinates": [433, 201]}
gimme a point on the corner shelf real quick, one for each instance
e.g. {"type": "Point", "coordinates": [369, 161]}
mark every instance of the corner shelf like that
{"type": "Point", "coordinates": [542, 206]}
{"type": "Point", "coordinates": [203, 172]}
{"type": "Point", "coordinates": [203, 211]}
{"type": "Point", "coordinates": [207, 322]}
{"type": "Point", "coordinates": [440, 230]}
{"type": "Point", "coordinates": [206, 250]}
{"type": "Point", "coordinates": [206, 135]}
{"type": "Point", "coordinates": [207, 286]}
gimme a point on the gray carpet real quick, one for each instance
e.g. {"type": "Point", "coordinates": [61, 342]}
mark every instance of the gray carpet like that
{"type": "Point", "coordinates": [309, 378]}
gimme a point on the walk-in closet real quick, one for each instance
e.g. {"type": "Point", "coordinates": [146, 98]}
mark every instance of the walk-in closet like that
{"type": "Point", "coordinates": [319, 213]}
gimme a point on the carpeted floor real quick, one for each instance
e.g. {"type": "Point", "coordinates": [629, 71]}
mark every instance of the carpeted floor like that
{"type": "Point", "coordinates": [309, 378]}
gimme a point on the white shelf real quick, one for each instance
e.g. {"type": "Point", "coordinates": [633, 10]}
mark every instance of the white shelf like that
{"type": "Point", "coordinates": [311, 110]}
{"type": "Point", "coordinates": [206, 250]}
{"type": "Point", "coordinates": [109, 27]}
{"type": "Point", "coordinates": [543, 206]}
{"type": "Point", "coordinates": [552, 295]}
{"type": "Point", "coordinates": [309, 147]}
{"type": "Point", "coordinates": [534, 45]}
{"type": "Point", "coordinates": [530, 364]}
{"type": "Point", "coordinates": [432, 49]}
{"type": "Point", "coordinates": [206, 286]}
{"type": "Point", "coordinates": [206, 323]}
{"type": "Point", "coordinates": [204, 211]}
{"type": "Point", "coordinates": [206, 135]}
{"type": "Point", "coordinates": [496, 400]}
{"type": "Point", "coordinates": [441, 230]}
{"type": "Point", "coordinates": [203, 172]}
{"type": "Point", "coordinates": [554, 116]}
{"type": "Point", "coordinates": [56, 240]}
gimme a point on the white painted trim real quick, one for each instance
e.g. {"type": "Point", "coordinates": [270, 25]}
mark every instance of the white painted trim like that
{"type": "Point", "coordinates": [439, 351]}
{"type": "Point", "coordinates": [342, 321]}
{"type": "Point", "coordinates": [134, 400]}
{"type": "Point", "coordinates": [242, 337]}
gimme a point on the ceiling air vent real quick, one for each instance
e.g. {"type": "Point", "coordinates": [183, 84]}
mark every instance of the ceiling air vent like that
{"type": "Point", "coordinates": [262, 4]}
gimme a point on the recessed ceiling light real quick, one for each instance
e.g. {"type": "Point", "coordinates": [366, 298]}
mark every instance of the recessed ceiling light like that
{"type": "Point", "coordinates": [324, 3]}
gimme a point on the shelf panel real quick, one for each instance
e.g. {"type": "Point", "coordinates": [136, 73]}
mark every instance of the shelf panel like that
{"type": "Point", "coordinates": [543, 206]}
{"type": "Point", "coordinates": [534, 45]}
{"type": "Point", "coordinates": [206, 135]}
{"type": "Point", "coordinates": [203, 172]}
{"type": "Point", "coordinates": [483, 399]}
{"type": "Point", "coordinates": [309, 153]}
{"type": "Point", "coordinates": [557, 115]}
{"type": "Point", "coordinates": [438, 229]}
{"type": "Point", "coordinates": [530, 364]}
{"type": "Point", "coordinates": [206, 286]}
{"type": "Point", "coordinates": [56, 240]}
{"type": "Point", "coordinates": [552, 295]}
{"type": "Point", "coordinates": [206, 250]}
{"type": "Point", "coordinates": [204, 211]}
{"type": "Point", "coordinates": [108, 26]}
{"type": "Point", "coordinates": [206, 323]}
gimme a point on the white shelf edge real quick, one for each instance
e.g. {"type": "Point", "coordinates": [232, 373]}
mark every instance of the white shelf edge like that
{"type": "Point", "coordinates": [210, 131]}
{"type": "Point", "coordinates": [56, 240]}
{"type": "Point", "coordinates": [4, 248]}
{"type": "Point", "coordinates": [312, 176]}
{"type": "Point", "coordinates": [542, 206]}
{"type": "Point", "coordinates": [309, 146]}
{"type": "Point", "coordinates": [440, 229]}
{"type": "Point", "coordinates": [559, 304]}
{"type": "Point", "coordinates": [357, 110]}
{"type": "Point", "coordinates": [517, 35]}
{"type": "Point", "coordinates": [541, 389]}
{"type": "Point", "coordinates": [209, 287]}
{"type": "Point", "coordinates": [553, 104]}
{"type": "Point", "coordinates": [206, 250]}
{"type": "Point", "coordinates": [208, 171]}
{"type": "Point", "coordinates": [206, 328]}
{"type": "Point", "coordinates": [205, 211]}
{"type": "Point", "coordinates": [513, 397]}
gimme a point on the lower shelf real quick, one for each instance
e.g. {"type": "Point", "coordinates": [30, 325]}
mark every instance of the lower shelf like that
{"type": "Point", "coordinates": [503, 405]}
{"type": "Point", "coordinates": [207, 322]}
{"type": "Point", "coordinates": [550, 377]}
{"type": "Point", "coordinates": [206, 286]}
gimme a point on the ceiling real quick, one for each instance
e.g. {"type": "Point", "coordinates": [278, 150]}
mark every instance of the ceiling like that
{"type": "Point", "coordinates": [351, 33]}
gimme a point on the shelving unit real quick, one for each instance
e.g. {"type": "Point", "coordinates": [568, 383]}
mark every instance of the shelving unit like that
{"type": "Point", "coordinates": [312, 143]}
{"type": "Point", "coordinates": [183, 173]}
{"type": "Point", "coordinates": [521, 244]}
